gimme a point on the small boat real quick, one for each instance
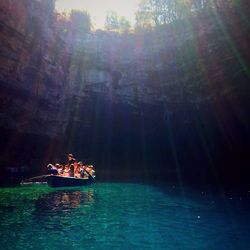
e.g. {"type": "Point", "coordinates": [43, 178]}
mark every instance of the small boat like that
{"type": "Point", "coordinates": [65, 181]}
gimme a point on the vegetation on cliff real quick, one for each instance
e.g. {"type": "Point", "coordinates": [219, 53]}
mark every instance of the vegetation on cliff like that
{"type": "Point", "coordinates": [174, 90]}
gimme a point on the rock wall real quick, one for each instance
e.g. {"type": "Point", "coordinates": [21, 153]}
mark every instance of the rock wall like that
{"type": "Point", "coordinates": [33, 68]}
{"type": "Point", "coordinates": [177, 94]}
{"type": "Point", "coordinates": [194, 63]}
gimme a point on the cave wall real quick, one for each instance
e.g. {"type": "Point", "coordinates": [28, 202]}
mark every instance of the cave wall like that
{"type": "Point", "coordinates": [33, 68]}
{"type": "Point", "coordinates": [158, 102]}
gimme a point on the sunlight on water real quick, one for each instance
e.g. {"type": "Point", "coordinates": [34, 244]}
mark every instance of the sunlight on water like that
{"type": "Point", "coordinates": [119, 216]}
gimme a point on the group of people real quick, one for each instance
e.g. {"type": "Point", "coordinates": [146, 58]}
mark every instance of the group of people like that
{"type": "Point", "coordinates": [72, 169]}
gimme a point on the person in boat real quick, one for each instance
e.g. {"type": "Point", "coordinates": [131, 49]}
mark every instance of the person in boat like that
{"type": "Point", "coordinates": [60, 169]}
{"type": "Point", "coordinates": [52, 169]}
{"type": "Point", "coordinates": [75, 168]}
{"type": "Point", "coordinates": [71, 159]}
{"type": "Point", "coordinates": [80, 169]}
{"type": "Point", "coordinates": [90, 169]}
{"type": "Point", "coordinates": [66, 171]}
{"type": "Point", "coordinates": [81, 172]}
{"type": "Point", "coordinates": [72, 170]}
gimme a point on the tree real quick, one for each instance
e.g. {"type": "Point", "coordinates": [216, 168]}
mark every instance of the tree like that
{"type": "Point", "coordinates": [124, 24]}
{"type": "Point", "coordinates": [79, 23]}
{"type": "Point", "coordinates": [116, 22]}
{"type": "Point", "coordinates": [62, 23]}
{"type": "Point", "coordinates": [182, 8]}
{"type": "Point", "coordinates": [144, 15]}
{"type": "Point", "coordinates": [157, 12]}
{"type": "Point", "coordinates": [112, 20]}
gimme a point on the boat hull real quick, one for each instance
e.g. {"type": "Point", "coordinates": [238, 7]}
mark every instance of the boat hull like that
{"type": "Point", "coordinates": [62, 181]}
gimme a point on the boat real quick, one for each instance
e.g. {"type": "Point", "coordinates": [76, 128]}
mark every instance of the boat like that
{"type": "Point", "coordinates": [65, 181]}
{"type": "Point", "coordinates": [54, 179]}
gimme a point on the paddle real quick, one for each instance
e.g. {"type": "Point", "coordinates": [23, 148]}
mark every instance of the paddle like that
{"type": "Point", "coordinates": [89, 175]}
{"type": "Point", "coordinates": [32, 179]}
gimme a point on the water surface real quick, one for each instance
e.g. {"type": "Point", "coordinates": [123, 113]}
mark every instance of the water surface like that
{"type": "Point", "coordinates": [121, 216]}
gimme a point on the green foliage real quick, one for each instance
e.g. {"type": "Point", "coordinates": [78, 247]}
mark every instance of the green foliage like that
{"type": "Point", "coordinates": [112, 20]}
{"type": "Point", "coordinates": [73, 26]}
{"type": "Point", "coordinates": [157, 12]}
{"type": "Point", "coordinates": [234, 3]}
{"type": "Point", "coordinates": [124, 24]}
{"type": "Point", "coordinates": [79, 22]}
{"type": "Point", "coordinates": [144, 15]}
{"type": "Point", "coordinates": [62, 22]}
{"type": "Point", "coordinates": [116, 22]}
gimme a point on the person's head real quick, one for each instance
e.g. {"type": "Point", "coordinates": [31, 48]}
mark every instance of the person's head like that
{"type": "Point", "coordinates": [49, 166]}
{"type": "Point", "coordinates": [70, 156]}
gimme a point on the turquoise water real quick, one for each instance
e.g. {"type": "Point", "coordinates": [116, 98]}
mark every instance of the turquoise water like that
{"type": "Point", "coordinates": [121, 216]}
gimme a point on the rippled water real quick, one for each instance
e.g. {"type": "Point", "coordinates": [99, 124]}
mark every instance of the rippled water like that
{"type": "Point", "coordinates": [121, 216]}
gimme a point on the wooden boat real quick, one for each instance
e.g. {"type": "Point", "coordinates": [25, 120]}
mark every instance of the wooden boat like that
{"type": "Point", "coordinates": [65, 181]}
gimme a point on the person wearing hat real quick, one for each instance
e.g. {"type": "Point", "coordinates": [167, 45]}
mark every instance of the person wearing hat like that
{"type": "Point", "coordinates": [72, 163]}
{"type": "Point", "coordinates": [71, 159]}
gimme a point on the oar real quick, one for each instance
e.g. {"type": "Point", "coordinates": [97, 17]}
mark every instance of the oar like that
{"type": "Point", "coordinates": [89, 175]}
{"type": "Point", "coordinates": [35, 177]}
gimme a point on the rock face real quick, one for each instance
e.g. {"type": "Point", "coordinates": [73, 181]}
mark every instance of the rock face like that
{"type": "Point", "coordinates": [33, 71]}
{"type": "Point", "coordinates": [177, 94]}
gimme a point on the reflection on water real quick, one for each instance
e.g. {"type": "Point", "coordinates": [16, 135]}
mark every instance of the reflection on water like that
{"type": "Point", "coordinates": [121, 216]}
{"type": "Point", "coordinates": [63, 210]}
{"type": "Point", "coordinates": [63, 201]}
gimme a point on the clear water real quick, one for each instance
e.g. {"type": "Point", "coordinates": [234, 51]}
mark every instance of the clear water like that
{"type": "Point", "coordinates": [121, 216]}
